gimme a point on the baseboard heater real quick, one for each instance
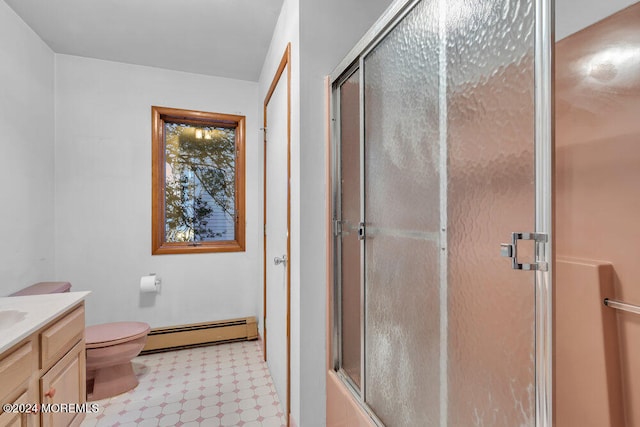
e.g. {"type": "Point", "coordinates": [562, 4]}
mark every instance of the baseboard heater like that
{"type": "Point", "coordinates": [200, 334]}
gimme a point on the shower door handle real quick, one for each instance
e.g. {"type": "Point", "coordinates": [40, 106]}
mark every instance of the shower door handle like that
{"type": "Point", "coordinates": [510, 250]}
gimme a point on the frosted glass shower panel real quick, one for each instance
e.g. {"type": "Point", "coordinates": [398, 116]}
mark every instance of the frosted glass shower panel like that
{"type": "Point", "coordinates": [402, 217]}
{"type": "Point", "coordinates": [350, 321]}
{"type": "Point", "coordinates": [491, 193]}
{"type": "Point", "coordinates": [401, 124]}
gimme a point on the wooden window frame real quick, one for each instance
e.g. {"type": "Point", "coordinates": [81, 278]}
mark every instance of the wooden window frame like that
{"type": "Point", "coordinates": [159, 117]}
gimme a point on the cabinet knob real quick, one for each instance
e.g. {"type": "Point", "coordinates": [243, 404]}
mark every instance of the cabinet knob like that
{"type": "Point", "coordinates": [50, 393]}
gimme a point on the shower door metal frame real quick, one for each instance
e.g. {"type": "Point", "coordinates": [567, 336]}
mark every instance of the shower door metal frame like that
{"type": "Point", "coordinates": [544, 186]}
{"type": "Point", "coordinates": [337, 246]}
{"type": "Point", "coordinates": [544, 166]}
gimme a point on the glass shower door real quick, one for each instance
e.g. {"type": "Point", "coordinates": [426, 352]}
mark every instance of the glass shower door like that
{"type": "Point", "coordinates": [402, 172]}
{"type": "Point", "coordinates": [490, 194]}
{"type": "Point", "coordinates": [455, 157]}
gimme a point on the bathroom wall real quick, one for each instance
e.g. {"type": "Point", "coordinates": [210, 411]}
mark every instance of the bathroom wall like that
{"type": "Point", "coordinates": [328, 31]}
{"type": "Point", "coordinates": [103, 195]}
{"type": "Point", "coordinates": [26, 162]}
{"type": "Point", "coordinates": [598, 169]}
{"type": "Point", "coordinates": [321, 34]}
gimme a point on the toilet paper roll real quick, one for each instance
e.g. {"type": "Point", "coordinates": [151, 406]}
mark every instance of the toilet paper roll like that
{"type": "Point", "coordinates": [149, 283]}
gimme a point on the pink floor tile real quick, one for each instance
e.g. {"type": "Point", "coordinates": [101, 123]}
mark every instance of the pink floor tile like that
{"type": "Point", "coordinates": [223, 385]}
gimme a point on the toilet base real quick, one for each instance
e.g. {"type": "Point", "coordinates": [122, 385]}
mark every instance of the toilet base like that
{"type": "Point", "coordinates": [111, 381]}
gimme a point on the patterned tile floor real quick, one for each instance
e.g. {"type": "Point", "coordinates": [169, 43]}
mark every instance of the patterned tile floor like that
{"type": "Point", "coordinates": [221, 385]}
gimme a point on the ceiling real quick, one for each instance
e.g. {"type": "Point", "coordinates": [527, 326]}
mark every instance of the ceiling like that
{"type": "Point", "coordinates": [226, 38]}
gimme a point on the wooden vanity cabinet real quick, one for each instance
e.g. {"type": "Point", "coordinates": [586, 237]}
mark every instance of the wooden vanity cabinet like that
{"type": "Point", "coordinates": [65, 383]}
{"type": "Point", "coordinates": [18, 387]}
{"type": "Point", "coordinates": [18, 419]}
{"type": "Point", "coordinates": [48, 367]}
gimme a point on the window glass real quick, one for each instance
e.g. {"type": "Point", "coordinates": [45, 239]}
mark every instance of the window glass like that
{"type": "Point", "coordinates": [198, 181]}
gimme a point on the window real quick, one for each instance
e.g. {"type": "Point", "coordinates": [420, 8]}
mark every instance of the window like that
{"type": "Point", "coordinates": [198, 182]}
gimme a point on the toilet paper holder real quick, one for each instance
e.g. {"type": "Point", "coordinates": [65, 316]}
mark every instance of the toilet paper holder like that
{"type": "Point", "coordinates": [150, 283]}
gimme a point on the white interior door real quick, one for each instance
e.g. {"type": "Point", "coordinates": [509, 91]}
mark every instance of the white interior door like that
{"type": "Point", "coordinates": [276, 193]}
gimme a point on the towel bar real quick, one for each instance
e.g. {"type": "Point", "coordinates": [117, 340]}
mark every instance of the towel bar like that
{"type": "Point", "coordinates": [622, 306]}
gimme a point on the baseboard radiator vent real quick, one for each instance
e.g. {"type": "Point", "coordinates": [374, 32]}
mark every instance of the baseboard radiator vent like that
{"type": "Point", "coordinates": [200, 334]}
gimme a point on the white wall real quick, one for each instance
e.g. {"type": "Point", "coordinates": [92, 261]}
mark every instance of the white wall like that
{"type": "Point", "coordinates": [574, 15]}
{"type": "Point", "coordinates": [328, 31]}
{"type": "Point", "coordinates": [320, 38]}
{"type": "Point", "coordinates": [103, 195]}
{"type": "Point", "coordinates": [26, 159]}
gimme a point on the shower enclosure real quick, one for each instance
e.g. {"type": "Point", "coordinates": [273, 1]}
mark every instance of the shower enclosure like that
{"type": "Point", "coordinates": [441, 154]}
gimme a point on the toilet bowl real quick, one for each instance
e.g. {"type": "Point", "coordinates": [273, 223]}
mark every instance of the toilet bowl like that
{"type": "Point", "coordinates": [110, 348]}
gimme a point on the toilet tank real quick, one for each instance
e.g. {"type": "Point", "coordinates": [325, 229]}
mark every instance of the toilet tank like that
{"type": "Point", "coordinates": [44, 288]}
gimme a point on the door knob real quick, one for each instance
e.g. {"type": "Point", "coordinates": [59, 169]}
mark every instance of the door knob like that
{"type": "Point", "coordinates": [278, 261]}
{"type": "Point", "coordinates": [50, 393]}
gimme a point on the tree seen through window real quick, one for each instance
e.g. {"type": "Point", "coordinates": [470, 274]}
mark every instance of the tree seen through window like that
{"type": "Point", "coordinates": [200, 183]}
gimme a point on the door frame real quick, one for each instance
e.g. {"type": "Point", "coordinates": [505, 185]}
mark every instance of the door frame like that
{"type": "Point", "coordinates": [285, 62]}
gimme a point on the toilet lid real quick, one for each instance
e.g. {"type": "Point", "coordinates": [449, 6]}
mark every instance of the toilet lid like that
{"type": "Point", "coordinates": [114, 333]}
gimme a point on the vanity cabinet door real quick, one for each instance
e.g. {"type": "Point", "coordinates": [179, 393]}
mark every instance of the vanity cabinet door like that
{"type": "Point", "coordinates": [18, 384]}
{"type": "Point", "coordinates": [19, 419]}
{"type": "Point", "coordinates": [64, 384]}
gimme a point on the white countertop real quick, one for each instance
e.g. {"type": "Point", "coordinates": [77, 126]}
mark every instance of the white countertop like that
{"type": "Point", "coordinates": [23, 315]}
